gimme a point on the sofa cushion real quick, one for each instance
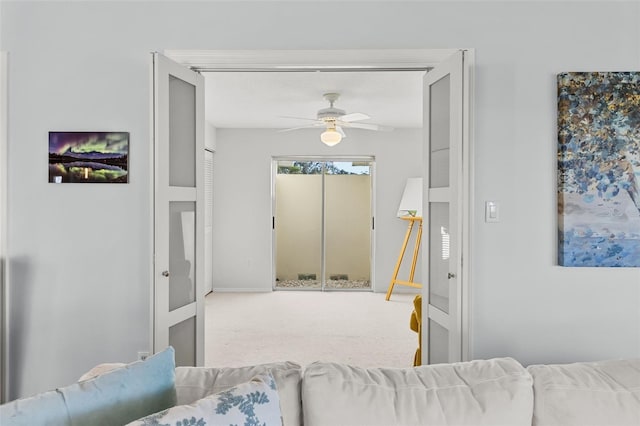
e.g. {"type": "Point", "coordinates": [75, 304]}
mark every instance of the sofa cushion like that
{"type": "Point", "coordinates": [116, 397]}
{"type": "Point", "coordinates": [594, 393]}
{"type": "Point", "coordinates": [253, 403]}
{"type": "Point", "coordinates": [493, 392]}
{"type": "Point", "coordinates": [194, 383]}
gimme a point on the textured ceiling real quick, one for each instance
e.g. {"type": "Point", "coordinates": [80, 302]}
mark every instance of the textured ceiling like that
{"type": "Point", "coordinates": [260, 99]}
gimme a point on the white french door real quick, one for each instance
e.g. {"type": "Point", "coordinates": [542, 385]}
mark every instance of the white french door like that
{"type": "Point", "coordinates": [178, 95]}
{"type": "Point", "coordinates": [445, 206]}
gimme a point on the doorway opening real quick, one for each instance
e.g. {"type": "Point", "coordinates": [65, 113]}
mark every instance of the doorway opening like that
{"type": "Point", "coordinates": [323, 223]}
{"type": "Point", "coordinates": [455, 320]}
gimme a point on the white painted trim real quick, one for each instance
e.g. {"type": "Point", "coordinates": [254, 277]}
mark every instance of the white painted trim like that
{"type": "Point", "coordinates": [440, 195]}
{"type": "Point", "coordinates": [241, 290]}
{"type": "Point", "coordinates": [152, 202]}
{"type": "Point", "coordinates": [372, 227]}
{"type": "Point", "coordinates": [4, 273]}
{"type": "Point", "coordinates": [456, 205]}
{"type": "Point", "coordinates": [274, 172]}
{"type": "Point", "coordinates": [182, 313]}
{"type": "Point", "coordinates": [440, 316]}
{"type": "Point", "coordinates": [286, 60]}
{"type": "Point", "coordinates": [468, 184]}
{"type": "Point", "coordinates": [177, 193]}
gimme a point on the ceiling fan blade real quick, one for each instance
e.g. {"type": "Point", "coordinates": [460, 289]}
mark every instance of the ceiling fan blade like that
{"type": "Point", "coordinates": [301, 127]}
{"type": "Point", "coordinates": [354, 116]}
{"type": "Point", "coordinates": [342, 133]}
{"type": "Point", "coordinates": [369, 126]}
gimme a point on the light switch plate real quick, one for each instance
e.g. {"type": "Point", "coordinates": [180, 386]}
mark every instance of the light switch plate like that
{"type": "Point", "coordinates": [491, 211]}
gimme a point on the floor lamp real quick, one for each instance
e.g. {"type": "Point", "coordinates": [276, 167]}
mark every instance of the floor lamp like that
{"type": "Point", "coordinates": [410, 209]}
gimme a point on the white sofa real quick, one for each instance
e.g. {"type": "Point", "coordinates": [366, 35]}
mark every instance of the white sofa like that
{"type": "Point", "coordinates": [483, 392]}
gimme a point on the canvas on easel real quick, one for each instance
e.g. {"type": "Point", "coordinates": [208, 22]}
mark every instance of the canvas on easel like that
{"type": "Point", "coordinates": [410, 209]}
{"type": "Point", "coordinates": [411, 201]}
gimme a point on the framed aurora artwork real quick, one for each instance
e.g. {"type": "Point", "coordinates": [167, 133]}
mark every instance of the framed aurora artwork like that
{"type": "Point", "coordinates": [89, 157]}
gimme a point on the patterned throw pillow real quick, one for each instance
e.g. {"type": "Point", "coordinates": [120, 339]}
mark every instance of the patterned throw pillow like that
{"type": "Point", "coordinates": [253, 403]}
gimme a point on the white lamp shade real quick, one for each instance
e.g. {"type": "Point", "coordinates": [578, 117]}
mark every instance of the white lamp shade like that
{"type": "Point", "coordinates": [411, 202]}
{"type": "Point", "coordinates": [330, 137]}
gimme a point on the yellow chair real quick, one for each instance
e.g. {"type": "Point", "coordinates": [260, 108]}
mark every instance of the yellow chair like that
{"type": "Point", "coordinates": [416, 325]}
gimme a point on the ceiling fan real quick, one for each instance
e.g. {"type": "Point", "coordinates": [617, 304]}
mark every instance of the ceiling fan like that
{"type": "Point", "coordinates": [334, 119]}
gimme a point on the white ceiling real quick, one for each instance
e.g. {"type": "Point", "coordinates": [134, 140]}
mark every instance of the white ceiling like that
{"type": "Point", "coordinates": [260, 99]}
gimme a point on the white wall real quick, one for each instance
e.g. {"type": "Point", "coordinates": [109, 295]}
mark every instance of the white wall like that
{"type": "Point", "coordinates": [242, 212]}
{"type": "Point", "coordinates": [80, 254]}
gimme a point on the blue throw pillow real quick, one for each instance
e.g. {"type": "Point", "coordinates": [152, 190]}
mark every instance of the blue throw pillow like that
{"type": "Point", "coordinates": [46, 408]}
{"type": "Point", "coordinates": [114, 398]}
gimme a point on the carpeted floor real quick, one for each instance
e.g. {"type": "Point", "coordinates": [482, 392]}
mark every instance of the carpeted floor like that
{"type": "Point", "coordinates": [358, 328]}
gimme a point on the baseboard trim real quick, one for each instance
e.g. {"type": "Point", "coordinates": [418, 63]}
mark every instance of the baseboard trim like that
{"type": "Point", "coordinates": [241, 290]}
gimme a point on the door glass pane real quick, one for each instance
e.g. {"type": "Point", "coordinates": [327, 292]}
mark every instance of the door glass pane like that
{"type": "Point", "coordinates": [439, 133]}
{"type": "Point", "coordinates": [182, 336]}
{"type": "Point", "coordinates": [348, 225]}
{"type": "Point", "coordinates": [439, 255]}
{"type": "Point", "coordinates": [182, 133]}
{"type": "Point", "coordinates": [298, 230]}
{"type": "Point", "coordinates": [438, 345]}
{"type": "Point", "coordinates": [182, 249]}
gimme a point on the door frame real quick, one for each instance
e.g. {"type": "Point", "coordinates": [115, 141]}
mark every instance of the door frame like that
{"type": "Point", "coordinates": [324, 159]}
{"type": "Point", "coordinates": [366, 60]}
{"type": "Point", "coordinates": [4, 300]}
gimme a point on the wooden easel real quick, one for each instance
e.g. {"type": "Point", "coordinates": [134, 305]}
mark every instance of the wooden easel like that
{"type": "Point", "coordinates": [394, 279]}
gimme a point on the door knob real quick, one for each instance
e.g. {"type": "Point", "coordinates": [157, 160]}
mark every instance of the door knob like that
{"type": "Point", "coordinates": [451, 275]}
{"type": "Point", "coordinates": [165, 273]}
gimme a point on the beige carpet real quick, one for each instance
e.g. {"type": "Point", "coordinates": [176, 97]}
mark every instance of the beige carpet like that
{"type": "Point", "coordinates": [358, 328]}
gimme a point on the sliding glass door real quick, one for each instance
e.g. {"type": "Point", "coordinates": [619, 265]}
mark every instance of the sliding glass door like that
{"type": "Point", "coordinates": [298, 225]}
{"type": "Point", "coordinates": [348, 225]}
{"type": "Point", "coordinates": [322, 224]}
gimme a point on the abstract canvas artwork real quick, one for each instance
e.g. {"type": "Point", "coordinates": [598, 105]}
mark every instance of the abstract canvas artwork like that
{"type": "Point", "coordinates": [89, 157]}
{"type": "Point", "coordinates": [599, 169]}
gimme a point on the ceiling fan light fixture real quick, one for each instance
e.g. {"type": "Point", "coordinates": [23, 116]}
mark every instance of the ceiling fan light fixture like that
{"type": "Point", "coordinates": [331, 137]}
{"type": "Point", "coordinates": [334, 120]}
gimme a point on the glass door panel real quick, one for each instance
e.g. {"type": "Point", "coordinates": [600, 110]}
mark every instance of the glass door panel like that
{"type": "Point", "coordinates": [182, 253]}
{"type": "Point", "coordinates": [438, 343]}
{"type": "Point", "coordinates": [347, 218]}
{"type": "Point", "coordinates": [183, 335]}
{"type": "Point", "coordinates": [439, 134]}
{"type": "Point", "coordinates": [298, 233]}
{"type": "Point", "coordinates": [182, 133]}
{"type": "Point", "coordinates": [439, 246]}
